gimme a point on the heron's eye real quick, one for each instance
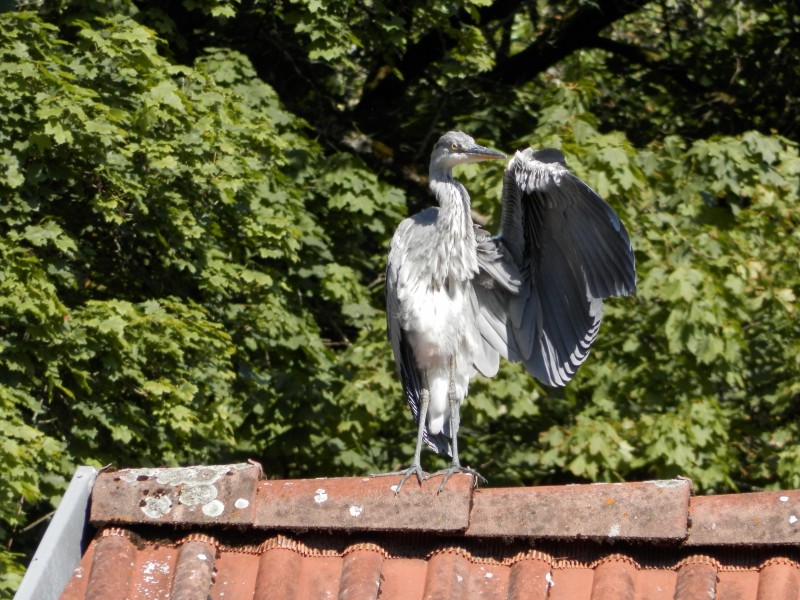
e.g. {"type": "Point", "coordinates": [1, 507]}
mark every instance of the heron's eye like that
{"type": "Point", "coordinates": [453, 146]}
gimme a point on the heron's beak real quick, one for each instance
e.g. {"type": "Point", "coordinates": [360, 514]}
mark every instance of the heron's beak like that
{"type": "Point", "coordinates": [477, 153]}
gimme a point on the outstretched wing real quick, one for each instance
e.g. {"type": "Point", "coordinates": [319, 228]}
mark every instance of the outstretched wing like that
{"type": "Point", "coordinates": [570, 251]}
{"type": "Point", "coordinates": [410, 375]}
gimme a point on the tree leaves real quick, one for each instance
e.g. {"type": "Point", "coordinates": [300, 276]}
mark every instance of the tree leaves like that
{"type": "Point", "coordinates": [155, 309]}
{"type": "Point", "coordinates": [192, 273]}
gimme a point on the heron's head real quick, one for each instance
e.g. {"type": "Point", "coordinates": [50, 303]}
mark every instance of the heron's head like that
{"type": "Point", "coordinates": [456, 148]}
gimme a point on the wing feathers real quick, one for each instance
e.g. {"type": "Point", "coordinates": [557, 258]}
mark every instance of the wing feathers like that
{"type": "Point", "coordinates": [571, 251]}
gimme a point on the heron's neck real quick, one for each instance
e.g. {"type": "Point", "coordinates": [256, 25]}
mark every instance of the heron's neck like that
{"type": "Point", "coordinates": [455, 243]}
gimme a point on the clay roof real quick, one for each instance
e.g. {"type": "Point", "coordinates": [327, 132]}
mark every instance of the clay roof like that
{"type": "Point", "coordinates": [226, 532]}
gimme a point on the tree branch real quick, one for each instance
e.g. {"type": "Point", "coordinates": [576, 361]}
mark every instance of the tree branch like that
{"type": "Point", "coordinates": [418, 58]}
{"type": "Point", "coordinates": [578, 30]}
{"type": "Point", "coordinates": [652, 61]}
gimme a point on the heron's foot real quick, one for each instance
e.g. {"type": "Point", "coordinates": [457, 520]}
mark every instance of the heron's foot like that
{"type": "Point", "coordinates": [452, 469]}
{"type": "Point", "coordinates": [406, 475]}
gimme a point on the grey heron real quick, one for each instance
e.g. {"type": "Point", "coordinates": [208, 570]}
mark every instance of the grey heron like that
{"type": "Point", "coordinates": [457, 299]}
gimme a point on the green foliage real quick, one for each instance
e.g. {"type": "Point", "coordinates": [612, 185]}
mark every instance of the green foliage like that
{"type": "Point", "coordinates": [692, 374]}
{"type": "Point", "coordinates": [161, 288]}
{"type": "Point", "coordinates": [191, 272]}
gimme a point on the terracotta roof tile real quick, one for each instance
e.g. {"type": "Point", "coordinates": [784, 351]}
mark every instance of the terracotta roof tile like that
{"type": "Point", "coordinates": [614, 577]}
{"type": "Point", "coordinates": [737, 519]}
{"type": "Point", "coordinates": [779, 578]}
{"type": "Point", "coordinates": [194, 569]}
{"type": "Point", "coordinates": [158, 538]}
{"type": "Point", "coordinates": [738, 584]}
{"type": "Point", "coordinates": [364, 503]}
{"type": "Point", "coordinates": [244, 576]}
{"type": "Point", "coordinates": [610, 510]}
{"type": "Point", "coordinates": [656, 584]}
{"type": "Point", "coordinates": [696, 579]}
{"type": "Point", "coordinates": [530, 577]}
{"type": "Point", "coordinates": [233, 495]}
{"type": "Point", "coordinates": [113, 554]}
{"type": "Point", "coordinates": [121, 565]}
{"type": "Point", "coordinates": [204, 494]}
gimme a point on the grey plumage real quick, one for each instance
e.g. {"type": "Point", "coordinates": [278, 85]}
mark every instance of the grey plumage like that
{"type": "Point", "coordinates": [458, 299]}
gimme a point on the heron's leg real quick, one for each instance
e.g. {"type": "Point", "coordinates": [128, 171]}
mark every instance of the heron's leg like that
{"type": "Point", "coordinates": [455, 423]}
{"type": "Point", "coordinates": [455, 415]}
{"type": "Point", "coordinates": [416, 465]}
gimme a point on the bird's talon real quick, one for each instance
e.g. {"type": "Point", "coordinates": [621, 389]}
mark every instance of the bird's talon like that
{"type": "Point", "coordinates": [476, 477]}
{"type": "Point", "coordinates": [406, 474]}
